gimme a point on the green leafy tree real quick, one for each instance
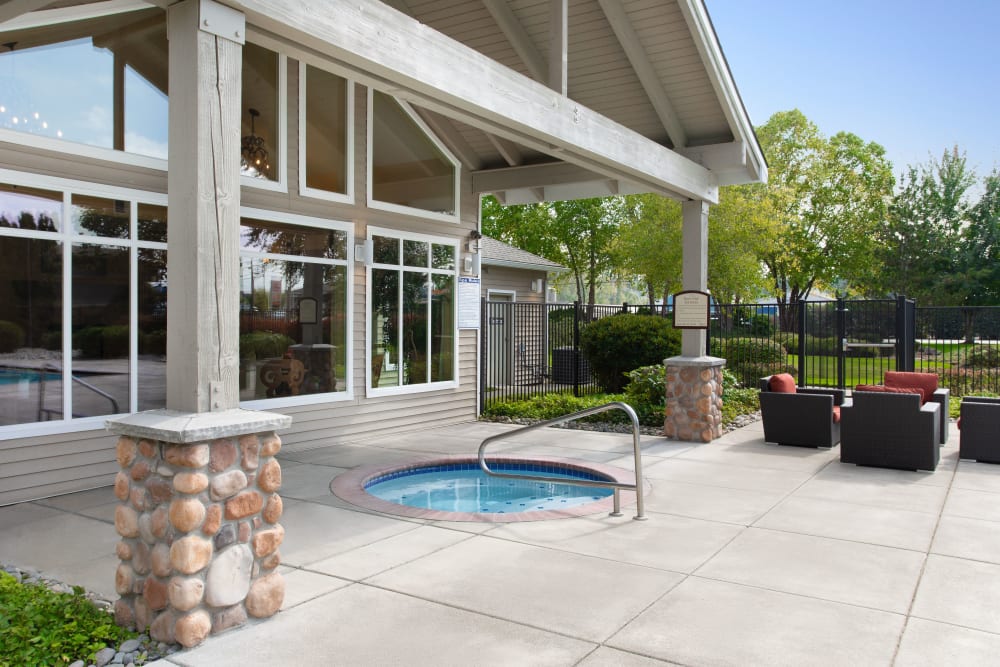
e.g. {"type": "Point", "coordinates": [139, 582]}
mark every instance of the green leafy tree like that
{"type": "Point", "coordinates": [739, 227]}
{"type": "Point", "coordinates": [647, 248]}
{"type": "Point", "coordinates": [828, 197]}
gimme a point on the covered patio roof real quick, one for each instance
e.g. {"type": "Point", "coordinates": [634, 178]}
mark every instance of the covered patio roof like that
{"type": "Point", "coordinates": [540, 99]}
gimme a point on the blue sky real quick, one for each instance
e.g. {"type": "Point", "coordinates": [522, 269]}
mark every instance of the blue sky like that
{"type": "Point", "coordinates": [914, 76]}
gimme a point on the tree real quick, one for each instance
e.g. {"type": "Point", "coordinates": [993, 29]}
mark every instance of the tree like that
{"type": "Point", "coordinates": [648, 245]}
{"type": "Point", "coordinates": [739, 227]}
{"type": "Point", "coordinates": [828, 197]}
{"type": "Point", "coordinates": [576, 234]}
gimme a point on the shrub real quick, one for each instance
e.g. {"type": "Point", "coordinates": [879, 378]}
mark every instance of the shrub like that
{"type": "Point", "coordinates": [42, 627]}
{"type": "Point", "coordinates": [110, 342]}
{"type": "Point", "coordinates": [982, 356]}
{"type": "Point", "coordinates": [760, 326]}
{"type": "Point", "coordinates": [618, 344]}
{"type": "Point", "coordinates": [263, 344]}
{"type": "Point", "coordinates": [736, 399]}
{"type": "Point", "coordinates": [52, 340]}
{"type": "Point", "coordinates": [646, 392]}
{"type": "Point", "coordinates": [550, 406]}
{"type": "Point", "coordinates": [751, 358]}
{"type": "Point", "coordinates": [11, 336]}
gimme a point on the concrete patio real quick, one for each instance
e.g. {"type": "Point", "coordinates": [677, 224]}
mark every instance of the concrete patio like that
{"type": "Point", "coordinates": [752, 554]}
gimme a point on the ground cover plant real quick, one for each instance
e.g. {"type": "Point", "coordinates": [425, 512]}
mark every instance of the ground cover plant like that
{"type": "Point", "coordinates": [41, 627]}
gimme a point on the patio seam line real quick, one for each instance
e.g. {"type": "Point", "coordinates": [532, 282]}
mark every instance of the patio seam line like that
{"type": "Point", "coordinates": [77, 513]}
{"type": "Point", "coordinates": [923, 565]}
{"type": "Point", "coordinates": [850, 540]}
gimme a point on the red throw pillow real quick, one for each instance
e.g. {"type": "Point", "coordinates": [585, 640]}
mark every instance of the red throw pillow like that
{"type": "Point", "coordinates": [892, 390]}
{"type": "Point", "coordinates": [782, 383]}
{"type": "Point", "coordinates": [836, 414]}
{"type": "Point", "coordinates": [927, 382]}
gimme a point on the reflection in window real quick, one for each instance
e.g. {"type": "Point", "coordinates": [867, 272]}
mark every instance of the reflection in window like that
{"type": "Point", "coordinates": [152, 223]}
{"type": "Point", "coordinates": [325, 144]}
{"type": "Point", "coordinates": [413, 315]}
{"type": "Point", "coordinates": [30, 208]}
{"type": "Point", "coordinates": [293, 313]}
{"type": "Point", "coordinates": [408, 168]}
{"type": "Point", "coordinates": [30, 330]}
{"type": "Point", "coordinates": [94, 216]}
{"type": "Point", "coordinates": [61, 84]}
{"type": "Point", "coordinates": [100, 329]}
{"type": "Point", "coordinates": [260, 148]}
{"type": "Point", "coordinates": [152, 334]}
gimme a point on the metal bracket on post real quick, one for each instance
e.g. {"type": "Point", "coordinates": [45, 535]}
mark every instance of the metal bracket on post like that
{"type": "Point", "coordinates": [222, 21]}
{"type": "Point", "coordinates": [215, 396]}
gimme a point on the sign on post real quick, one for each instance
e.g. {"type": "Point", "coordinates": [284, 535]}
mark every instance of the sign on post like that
{"type": "Point", "coordinates": [691, 310]}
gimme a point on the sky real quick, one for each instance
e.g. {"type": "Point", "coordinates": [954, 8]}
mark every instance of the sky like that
{"type": "Point", "coordinates": [914, 76]}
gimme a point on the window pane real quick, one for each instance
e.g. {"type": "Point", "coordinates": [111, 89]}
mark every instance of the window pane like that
{"type": "Point", "coordinates": [260, 149]}
{"type": "Point", "coordinates": [386, 250]}
{"type": "Point", "coordinates": [30, 208]}
{"type": "Point", "coordinates": [60, 83]}
{"type": "Point", "coordinates": [443, 257]}
{"type": "Point", "coordinates": [100, 330]}
{"type": "Point", "coordinates": [415, 253]}
{"type": "Point", "coordinates": [152, 298]}
{"type": "Point", "coordinates": [443, 329]}
{"type": "Point", "coordinates": [385, 328]}
{"type": "Point", "coordinates": [326, 131]}
{"type": "Point", "coordinates": [94, 216]}
{"type": "Point", "coordinates": [407, 167]}
{"type": "Point", "coordinates": [31, 291]}
{"type": "Point", "coordinates": [152, 223]}
{"type": "Point", "coordinates": [415, 327]}
{"type": "Point", "coordinates": [286, 239]}
{"type": "Point", "coordinates": [287, 349]}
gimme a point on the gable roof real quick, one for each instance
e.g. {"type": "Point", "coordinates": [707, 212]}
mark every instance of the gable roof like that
{"type": "Point", "coordinates": [498, 253]}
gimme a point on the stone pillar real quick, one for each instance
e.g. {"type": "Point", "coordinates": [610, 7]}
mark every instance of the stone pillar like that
{"type": "Point", "coordinates": [694, 398]}
{"type": "Point", "coordinates": [198, 519]}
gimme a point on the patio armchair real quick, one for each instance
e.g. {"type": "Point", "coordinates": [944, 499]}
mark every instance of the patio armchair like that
{"type": "Point", "coordinates": [928, 383]}
{"type": "Point", "coordinates": [979, 429]}
{"type": "Point", "coordinates": [801, 416]}
{"type": "Point", "coordinates": [890, 430]}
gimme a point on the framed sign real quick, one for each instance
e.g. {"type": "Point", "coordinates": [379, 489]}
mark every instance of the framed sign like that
{"type": "Point", "coordinates": [469, 303]}
{"type": "Point", "coordinates": [691, 309]}
{"type": "Point", "coordinates": [307, 310]}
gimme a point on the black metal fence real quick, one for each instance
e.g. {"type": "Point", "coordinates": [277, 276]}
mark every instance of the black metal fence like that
{"type": "Point", "coordinates": [533, 348]}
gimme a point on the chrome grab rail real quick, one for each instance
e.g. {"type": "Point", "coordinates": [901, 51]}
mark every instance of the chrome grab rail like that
{"type": "Point", "coordinates": [617, 486]}
{"type": "Point", "coordinates": [48, 412]}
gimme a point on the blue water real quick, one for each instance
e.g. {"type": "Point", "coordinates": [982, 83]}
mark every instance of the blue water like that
{"type": "Point", "coordinates": [15, 375]}
{"type": "Point", "coordinates": [465, 488]}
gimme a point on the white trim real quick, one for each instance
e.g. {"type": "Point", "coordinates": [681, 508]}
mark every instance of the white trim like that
{"type": "Point", "coordinates": [83, 150]}
{"type": "Point", "coordinates": [316, 193]}
{"type": "Point", "coordinates": [509, 292]}
{"type": "Point", "coordinates": [54, 427]}
{"type": "Point", "coordinates": [399, 389]}
{"type": "Point", "coordinates": [82, 188]}
{"type": "Point", "coordinates": [369, 156]}
{"type": "Point", "coordinates": [281, 126]}
{"type": "Point", "coordinates": [133, 304]}
{"type": "Point", "coordinates": [266, 215]}
{"type": "Point", "coordinates": [46, 17]}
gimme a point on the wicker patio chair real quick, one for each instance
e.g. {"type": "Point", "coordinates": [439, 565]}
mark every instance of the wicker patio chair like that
{"type": "Point", "coordinates": [928, 382]}
{"type": "Point", "coordinates": [890, 430]}
{"type": "Point", "coordinates": [979, 429]}
{"type": "Point", "coordinates": [801, 416]}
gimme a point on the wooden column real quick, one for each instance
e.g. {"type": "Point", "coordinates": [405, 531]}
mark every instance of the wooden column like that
{"type": "Point", "coordinates": [203, 187]}
{"type": "Point", "coordinates": [694, 272]}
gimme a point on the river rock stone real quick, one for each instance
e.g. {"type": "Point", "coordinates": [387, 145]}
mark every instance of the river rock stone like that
{"type": "Point", "coordinates": [266, 541]}
{"type": "Point", "coordinates": [223, 455]}
{"type": "Point", "coordinates": [155, 593]}
{"type": "Point", "coordinates": [266, 595]}
{"type": "Point", "coordinates": [185, 593]}
{"type": "Point", "coordinates": [162, 627]}
{"type": "Point", "coordinates": [122, 486]}
{"type": "Point", "coordinates": [124, 579]}
{"type": "Point", "coordinates": [191, 629]}
{"type": "Point", "coordinates": [273, 509]}
{"type": "Point", "coordinates": [228, 578]}
{"type": "Point", "coordinates": [125, 451]}
{"type": "Point", "coordinates": [228, 618]}
{"type": "Point", "coordinates": [227, 484]}
{"type": "Point", "coordinates": [186, 514]}
{"type": "Point", "coordinates": [126, 521]}
{"type": "Point", "coordinates": [160, 560]}
{"type": "Point", "coordinates": [190, 554]}
{"type": "Point", "coordinates": [190, 482]}
{"type": "Point", "coordinates": [243, 505]}
{"type": "Point", "coordinates": [213, 518]}
{"type": "Point", "coordinates": [187, 456]}
{"type": "Point", "coordinates": [269, 477]}
{"type": "Point", "coordinates": [249, 448]}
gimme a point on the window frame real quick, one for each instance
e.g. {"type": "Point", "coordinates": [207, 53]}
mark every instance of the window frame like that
{"type": "Point", "coordinates": [422, 126]}
{"type": "Point", "coordinates": [281, 183]}
{"type": "Point", "coordinates": [316, 193]}
{"type": "Point", "coordinates": [315, 223]}
{"type": "Point", "coordinates": [68, 237]}
{"type": "Point", "coordinates": [423, 387]}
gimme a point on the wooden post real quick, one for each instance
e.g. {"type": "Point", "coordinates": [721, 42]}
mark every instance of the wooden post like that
{"type": "Point", "coordinates": [203, 187]}
{"type": "Point", "coordinates": [694, 273]}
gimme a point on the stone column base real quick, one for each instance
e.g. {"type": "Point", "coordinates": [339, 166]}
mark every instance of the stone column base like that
{"type": "Point", "coordinates": [198, 519]}
{"type": "Point", "coordinates": [694, 398]}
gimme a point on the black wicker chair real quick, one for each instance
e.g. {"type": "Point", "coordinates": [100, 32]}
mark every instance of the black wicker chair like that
{"type": "Point", "coordinates": [803, 419]}
{"type": "Point", "coordinates": [979, 429]}
{"type": "Point", "coordinates": [890, 431]}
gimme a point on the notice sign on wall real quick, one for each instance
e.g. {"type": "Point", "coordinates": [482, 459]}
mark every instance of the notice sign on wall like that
{"type": "Point", "coordinates": [691, 310]}
{"type": "Point", "coordinates": [469, 304]}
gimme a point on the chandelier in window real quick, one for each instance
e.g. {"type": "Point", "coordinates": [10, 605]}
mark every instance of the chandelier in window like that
{"type": "Point", "coordinates": [252, 149]}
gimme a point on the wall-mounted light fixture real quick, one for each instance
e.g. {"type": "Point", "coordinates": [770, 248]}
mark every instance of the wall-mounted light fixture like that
{"type": "Point", "coordinates": [537, 285]}
{"type": "Point", "coordinates": [365, 252]}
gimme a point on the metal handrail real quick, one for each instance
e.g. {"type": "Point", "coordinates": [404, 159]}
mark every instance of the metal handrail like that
{"type": "Point", "coordinates": [73, 378]}
{"type": "Point", "coordinates": [617, 486]}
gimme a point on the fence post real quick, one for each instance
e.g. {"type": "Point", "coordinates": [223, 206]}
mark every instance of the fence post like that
{"type": "Point", "coordinates": [802, 342]}
{"type": "Point", "coordinates": [576, 348]}
{"type": "Point", "coordinates": [905, 335]}
{"type": "Point", "coordinates": [483, 352]}
{"type": "Point", "coordinates": [841, 341]}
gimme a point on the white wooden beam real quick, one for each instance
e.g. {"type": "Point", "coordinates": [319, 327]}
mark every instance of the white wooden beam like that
{"type": "Point", "coordinates": [513, 178]}
{"type": "Point", "coordinates": [650, 80]}
{"type": "Point", "coordinates": [508, 150]}
{"type": "Point", "coordinates": [24, 14]}
{"type": "Point", "coordinates": [446, 131]}
{"type": "Point", "coordinates": [518, 38]}
{"type": "Point", "coordinates": [203, 194]}
{"type": "Point", "coordinates": [11, 9]}
{"type": "Point", "coordinates": [559, 46]}
{"type": "Point", "coordinates": [694, 267]}
{"type": "Point", "coordinates": [377, 46]}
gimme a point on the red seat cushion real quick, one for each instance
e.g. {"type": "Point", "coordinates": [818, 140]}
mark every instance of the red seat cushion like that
{"type": "Point", "coordinates": [782, 383]}
{"type": "Point", "coordinates": [836, 414]}
{"type": "Point", "coordinates": [892, 390]}
{"type": "Point", "coordinates": [928, 382]}
{"type": "Point", "coordinates": [959, 423]}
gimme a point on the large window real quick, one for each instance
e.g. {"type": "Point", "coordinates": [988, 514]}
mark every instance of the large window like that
{"type": "Point", "coordinates": [79, 336]}
{"type": "Point", "coordinates": [294, 306]}
{"type": "Point", "coordinates": [325, 114]}
{"type": "Point", "coordinates": [412, 336]}
{"type": "Point", "coordinates": [409, 169]}
{"type": "Point", "coordinates": [263, 116]}
{"type": "Point", "coordinates": [98, 83]}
